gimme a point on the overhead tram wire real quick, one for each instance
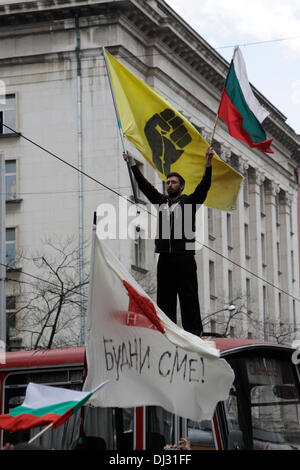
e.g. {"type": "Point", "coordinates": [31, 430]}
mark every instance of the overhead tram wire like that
{"type": "Point", "coordinates": [31, 275]}
{"type": "Point", "coordinates": [64, 161]}
{"type": "Point", "coordinates": [254, 43]}
{"type": "Point", "coordinates": [166, 54]}
{"type": "Point", "coordinates": [248, 271]}
{"type": "Point", "coordinates": [145, 210]}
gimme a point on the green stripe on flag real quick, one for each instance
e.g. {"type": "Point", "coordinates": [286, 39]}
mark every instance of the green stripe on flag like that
{"type": "Point", "coordinates": [250, 122]}
{"type": "Point", "coordinates": [58, 409]}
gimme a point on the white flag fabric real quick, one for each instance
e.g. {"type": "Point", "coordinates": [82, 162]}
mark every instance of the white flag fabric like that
{"type": "Point", "coordinates": [147, 358]}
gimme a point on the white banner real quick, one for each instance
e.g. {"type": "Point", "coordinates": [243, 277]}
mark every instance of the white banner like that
{"type": "Point", "coordinates": [147, 358]}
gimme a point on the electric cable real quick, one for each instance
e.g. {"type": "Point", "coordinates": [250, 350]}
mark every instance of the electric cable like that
{"type": "Point", "coordinates": [146, 210]}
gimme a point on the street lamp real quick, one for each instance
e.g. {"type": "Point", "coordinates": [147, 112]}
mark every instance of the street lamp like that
{"type": "Point", "coordinates": [228, 308]}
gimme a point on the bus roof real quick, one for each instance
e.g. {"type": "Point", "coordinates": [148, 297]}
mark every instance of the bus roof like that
{"type": "Point", "coordinates": [76, 355]}
{"type": "Point", "coordinates": [45, 357]}
{"type": "Point", "coordinates": [227, 345]}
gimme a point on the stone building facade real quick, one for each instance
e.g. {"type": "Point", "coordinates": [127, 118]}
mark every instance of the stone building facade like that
{"type": "Point", "coordinates": [57, 95]}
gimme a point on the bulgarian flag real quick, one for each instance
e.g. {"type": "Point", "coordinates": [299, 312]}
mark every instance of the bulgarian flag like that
{"type": "Point", "coordinates": [240, 109]}
{"type": "Point", "coordinates": [44, 405]}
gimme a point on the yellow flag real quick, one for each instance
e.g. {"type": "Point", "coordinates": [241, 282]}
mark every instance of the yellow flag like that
{"type": "Point", "coordinates": [167, 140]}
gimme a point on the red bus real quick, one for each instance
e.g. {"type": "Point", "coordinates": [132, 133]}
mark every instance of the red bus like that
{"type": "Point", "coordinates": [263, 406]}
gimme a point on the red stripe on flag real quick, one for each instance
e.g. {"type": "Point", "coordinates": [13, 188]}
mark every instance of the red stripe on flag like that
{"type": "Point", "coordinates": [234, 121]}
{"type": "Point", "coordinates": [27, 421]}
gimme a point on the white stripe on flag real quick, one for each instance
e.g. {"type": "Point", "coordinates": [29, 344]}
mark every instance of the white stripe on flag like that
{"type": "Point", "coordinates": [241, 74]}
{"type": "Point", "coordinates": [39, 396]}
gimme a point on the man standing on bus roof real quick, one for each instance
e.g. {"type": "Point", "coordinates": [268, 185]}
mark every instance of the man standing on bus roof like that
{"type": "Point", "coordinates": [175, 242]}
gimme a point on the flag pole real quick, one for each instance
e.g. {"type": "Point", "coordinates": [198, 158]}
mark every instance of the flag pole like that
{"type": "Point", "coordinates": [119, 126]}
{"type": "Point", "coordinates": [214, 129]}
{"type": "Point", "coordinates": [40, 433]}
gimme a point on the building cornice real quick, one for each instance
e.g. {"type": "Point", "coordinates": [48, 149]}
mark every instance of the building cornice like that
{"type": "Point", "coordinates": [159, 25]}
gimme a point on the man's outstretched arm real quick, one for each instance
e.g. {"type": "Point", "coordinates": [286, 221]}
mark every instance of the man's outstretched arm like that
{"type": "Point", "coordinates": [151, 193]}
{"type": "Point", "coordinates": [200, 193]}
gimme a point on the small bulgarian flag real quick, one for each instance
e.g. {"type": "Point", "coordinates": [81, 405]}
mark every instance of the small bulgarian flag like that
{"type": "Point", "coordinates": [43, 405]}
{"type": "Point", "coordinates": [240, 109]}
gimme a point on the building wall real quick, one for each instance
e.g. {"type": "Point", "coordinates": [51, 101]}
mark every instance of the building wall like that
{"type": "Point", "coordinates": [38, 65]}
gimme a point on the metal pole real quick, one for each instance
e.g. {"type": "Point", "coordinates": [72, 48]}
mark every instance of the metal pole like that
{"type": "Point", "coordinates": [119, 125]}
{"type": "Point", "coordinates": [214, 130]}
{"type": "Point", "coordinates": [80, 182]}
{"type": "Point", "coordinates": [2, 256]}
{"type": "Point", "coordinates": [40, 433]}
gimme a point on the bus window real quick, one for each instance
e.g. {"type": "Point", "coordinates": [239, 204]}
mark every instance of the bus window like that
{"type": "Point", "coordinates": [124, 428]}
{"type": "Point", "coordinates": [263, 407]}
{"type": "Point", "coordinates": [98, 423]}
{"type": "Point", "coordinates": [15, 385]}
{"type": "Point", "coordinates": [233, 410]}
{"type": "Point", "coordinates": [159, 428]}
{"type": "Point", "coordinates": [274, 402]}
{"type": "Point", "coordinates": [200, 435]}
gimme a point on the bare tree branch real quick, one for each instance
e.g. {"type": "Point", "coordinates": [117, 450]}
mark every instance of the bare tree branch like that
{"type": "Point", "coordinates": [48, 307]}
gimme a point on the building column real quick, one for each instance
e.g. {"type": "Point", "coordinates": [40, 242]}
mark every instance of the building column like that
{"type": "Point", "coordinates": [202, 259]}
{"type": "Point", "coordinates": [222, 243]}
{"type": "Point", "coordinates": [271, 271]}
{"type": "Point", "coordinates": [286, 261]}
{"type": "Point", "coordinates": [256, 179]}
{"type": "Point", "coordinates": [238, 254]}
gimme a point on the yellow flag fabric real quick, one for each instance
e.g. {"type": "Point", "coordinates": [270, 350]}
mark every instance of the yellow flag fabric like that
{"type": "Point", "coordinates": [167, 140]}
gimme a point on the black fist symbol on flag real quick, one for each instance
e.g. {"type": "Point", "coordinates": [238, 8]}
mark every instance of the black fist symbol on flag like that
{"type": "Point", "coordinates": [165, 132]}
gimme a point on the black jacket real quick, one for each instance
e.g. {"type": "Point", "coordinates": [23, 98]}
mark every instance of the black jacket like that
{"type": "Point", "coordinates": [176, 219]}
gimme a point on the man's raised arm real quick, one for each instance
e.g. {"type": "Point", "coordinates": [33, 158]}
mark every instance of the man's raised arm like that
{"type": "Point", "coordinates": [200, 193]}
{"type": "Point", "coordinates": [151, 193]}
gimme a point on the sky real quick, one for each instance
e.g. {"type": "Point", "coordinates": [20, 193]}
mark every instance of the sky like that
{"type": "Point", "coordinates": [273, 65]}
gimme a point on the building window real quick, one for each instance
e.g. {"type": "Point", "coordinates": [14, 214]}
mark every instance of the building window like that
{"type": "Point", "coordinates": [262, 199]}
{"type": "Point", "coordinates": [212, 278]}
{"type": "Point", "coordinates": [265, 314]}
{"type": "Point", "coordinates": [279, 304]}
{"type": "Point", "coordinates": [291, 222]}
{"type": "Point", "coordinates": [210, 217]}
{"type": "Point", "coordinates": [248, 293]}
{"type": "Point", "coordinates": [246, 190]}
{"type": "Point", "coordinates": [265, 298]}
{"type": "Point", "coordinates": [247, 246]}
{"type": "Point", "coordinates": [11, 311]}
{"type": "Point", "coordinates": [229, 231]}
{"type": "Point", "coordinates": [278, 257]}
{"type": "Point", "coordinates": [230, 286]}
{"type": "Point", "coordinates": [7, 114]}
{"type": "Point", "coordinates": [11, 247]}
{"type": "Point", "coordinates": [277, 209]}
{"type": "Point", "coordinates": [11, 179]}
{"type": "Point", "coordinates": [263, 250]}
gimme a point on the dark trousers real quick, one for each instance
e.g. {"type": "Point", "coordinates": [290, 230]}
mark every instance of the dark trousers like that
{"type": "Point", "coordinates": [177, 275]}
